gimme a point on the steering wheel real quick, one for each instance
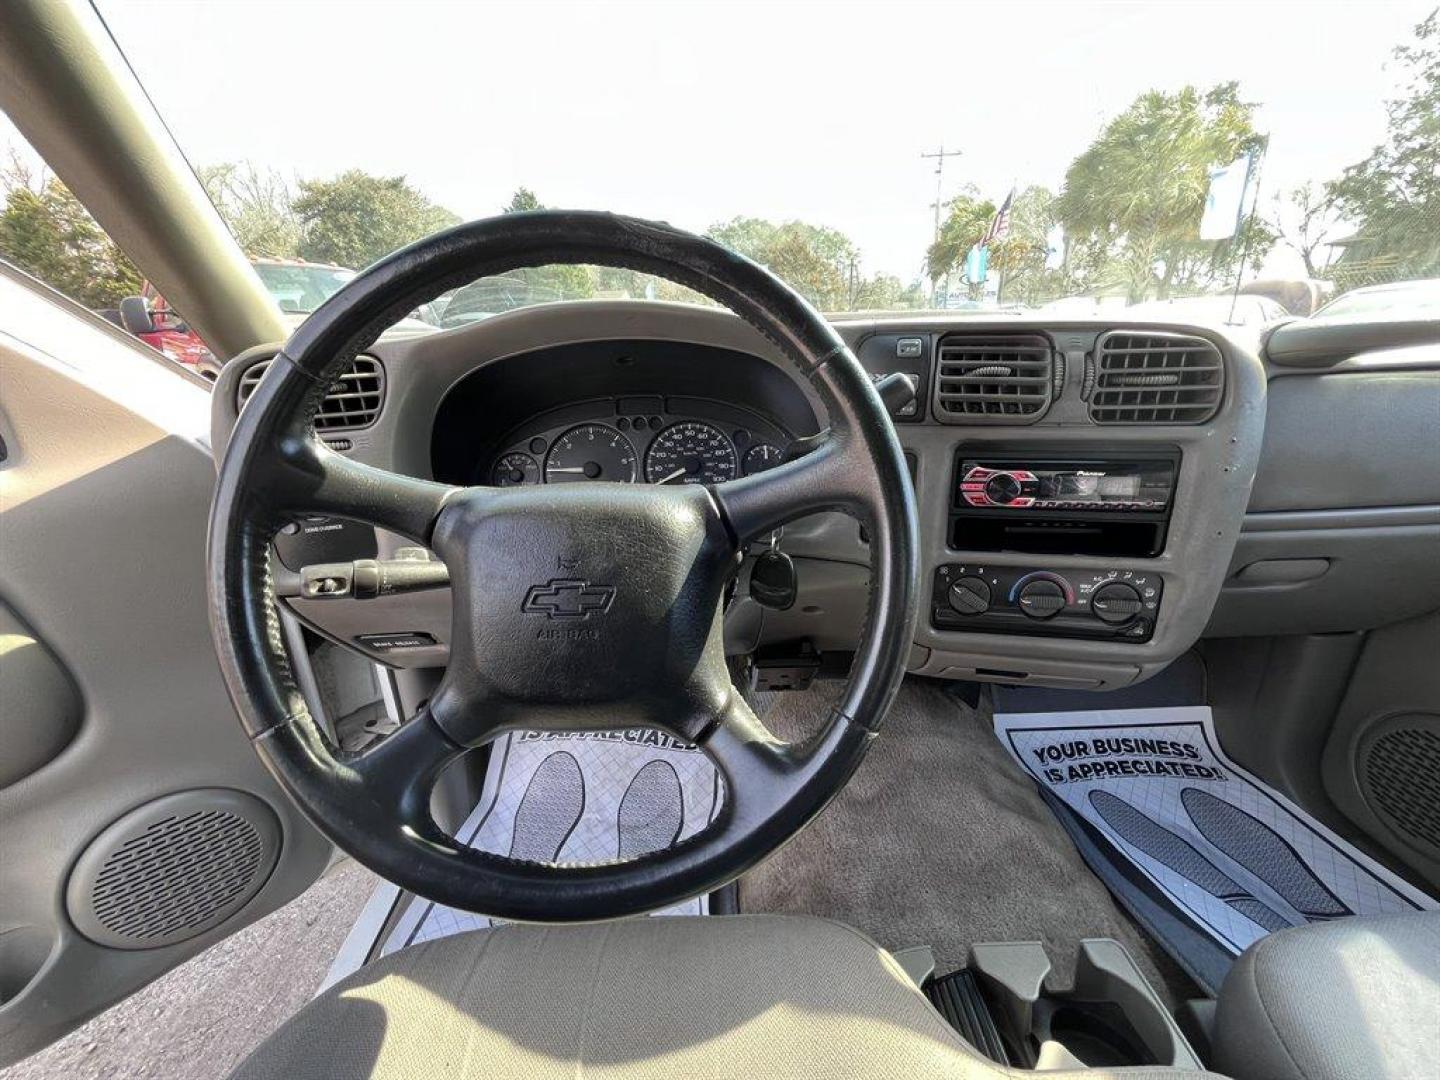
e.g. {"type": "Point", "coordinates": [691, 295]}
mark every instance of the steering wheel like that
{"type": "Point", "coordinates": [654, 563]}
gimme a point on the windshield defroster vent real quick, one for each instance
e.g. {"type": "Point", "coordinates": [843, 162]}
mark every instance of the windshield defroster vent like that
{"type": "Point", "coordinates": [1155, 378]}
{"type": "Point", "coordinates": [353, 401]}
{"type": "Point", "coordinates": [994, 378]}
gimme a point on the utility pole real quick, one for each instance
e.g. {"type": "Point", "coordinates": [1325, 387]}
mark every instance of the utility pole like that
{"type": "Point", "coordinates": [940, 157]}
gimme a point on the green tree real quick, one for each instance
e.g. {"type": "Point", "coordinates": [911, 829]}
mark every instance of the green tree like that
{"type": "Point", "coordinates": [1393, 196]}
{"type": "Point", "coordinates": [1305, 218]}
{"type": "Point", "coordinates": [257, 206]}
{"type": "Point", "coordinates": [1133, 200]}
{"type": "Point", "coordinates": [523, 199]}
{"type": "Point", "coordinates": [1197, 266]}
{"type": "Point", "coordinates": [817, 262]}
{"type": "Point", "coordinates": [46, 232]}
{"type": "Point", "coordinates": [967, 217]}
{"type": "Point", "coordinates": [886, 292]}
{"type": "Point", "coordinates": [356, 218]}
{"type": "Point", "coordinates": [820, 263]}
{"type": "Point", "coordinates": [1020, 259]}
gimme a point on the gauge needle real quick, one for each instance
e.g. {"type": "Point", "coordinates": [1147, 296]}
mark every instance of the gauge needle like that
{"type": "Point", "coordinates": [673, 476]}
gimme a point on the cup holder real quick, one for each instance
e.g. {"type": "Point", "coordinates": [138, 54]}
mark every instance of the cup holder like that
{"type": "Point", "coordinates": [1109, 1017]}
{"type": "Point", "coordinates": [1095, 1033]}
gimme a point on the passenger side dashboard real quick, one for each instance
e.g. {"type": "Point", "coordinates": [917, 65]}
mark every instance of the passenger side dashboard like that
{"type": "Point", "coordinates": [1342, 532]}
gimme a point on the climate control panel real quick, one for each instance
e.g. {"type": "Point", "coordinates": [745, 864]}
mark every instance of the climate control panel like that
{"type": "Point", "coordinates": [1114, 604]}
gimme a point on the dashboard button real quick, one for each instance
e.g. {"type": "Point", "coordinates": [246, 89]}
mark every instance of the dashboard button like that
{"type": "Point", "coordinates": [391, 642]}
{"type": "Point", "coordinates": [909, 347]}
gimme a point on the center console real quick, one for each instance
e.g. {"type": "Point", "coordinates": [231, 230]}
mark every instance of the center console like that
{"type": "Point", "coordinates": [1046, 502]}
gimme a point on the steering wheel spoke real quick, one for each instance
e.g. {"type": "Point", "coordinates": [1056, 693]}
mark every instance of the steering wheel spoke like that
{"type": "Point", "coordinates": [771, 785]}
{"type": "Point", "coordinates": [824, 479]}
{"type": "Point", "coordinates": [748, 755]}
{"type": "Point", "coordinates": [318, 480]}
{"type": "Point", "coordinates": [398, 773]}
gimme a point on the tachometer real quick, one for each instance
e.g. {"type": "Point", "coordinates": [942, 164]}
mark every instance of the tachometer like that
{"type": "Point", "coordinates": [690, 453]}
{"type": "Point", "coordinates": [590, 452]}
{"type": "Point", "coordinates": [515, 469]}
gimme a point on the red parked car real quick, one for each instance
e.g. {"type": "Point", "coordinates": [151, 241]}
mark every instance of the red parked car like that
{"type": "Point", "coordinates": [298, 287]}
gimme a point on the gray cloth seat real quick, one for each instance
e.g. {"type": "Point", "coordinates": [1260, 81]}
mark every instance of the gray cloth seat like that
{"type": "Point", "coordinates": [1354, 999]}
{"type": "Point", "coordinates": [750, 996]}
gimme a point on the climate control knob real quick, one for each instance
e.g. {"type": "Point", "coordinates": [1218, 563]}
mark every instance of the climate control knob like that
{"type": "Point", "coordinates": [969, 595]}
{"type": "Point", "coordinates": [1115, 602]}
{"type": "Point", "coordinates": [1042, 599]}
{"type": "Point", "coordinates": [1003, 488]}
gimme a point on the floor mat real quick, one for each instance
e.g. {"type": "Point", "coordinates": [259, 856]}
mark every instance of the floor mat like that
{"type": "Point", "coordinates": [940, 840]}
{"type": "Point", "coordinates": [578, 797]}
{"type": "Point", "coordinates": [1234, 855]}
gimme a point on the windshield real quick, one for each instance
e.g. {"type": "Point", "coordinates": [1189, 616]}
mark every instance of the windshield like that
{"type": "Point", "coordinates": [993, 160]}
{"type": "Point", "coordinates": [302, 288]}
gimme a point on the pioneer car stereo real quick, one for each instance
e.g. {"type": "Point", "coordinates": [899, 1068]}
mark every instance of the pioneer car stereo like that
{"type": "Point", "coordinates": [1045, 501]}
{"type": "Point", "coordinates": [1091, 485]}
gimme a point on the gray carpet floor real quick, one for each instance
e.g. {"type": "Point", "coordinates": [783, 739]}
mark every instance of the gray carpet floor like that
{"type": "Point", "coordinates": [941, 840]}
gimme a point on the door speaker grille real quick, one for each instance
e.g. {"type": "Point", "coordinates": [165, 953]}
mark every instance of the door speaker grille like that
{"type": "Point", "coordinates": [173, 869]}
{"type": "Point", "coordinates": [1400, 777]}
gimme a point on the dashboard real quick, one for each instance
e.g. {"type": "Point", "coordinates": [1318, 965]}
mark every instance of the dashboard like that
{"type": "Point", "coordinates": [1084, 487]}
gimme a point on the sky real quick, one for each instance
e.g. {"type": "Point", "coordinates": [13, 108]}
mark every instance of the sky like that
{"type": "Point", "coordinates": [696, 113]}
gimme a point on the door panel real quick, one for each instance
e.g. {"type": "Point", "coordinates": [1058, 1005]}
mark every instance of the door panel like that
{"type": "Point", "coordinates": [104, 494]}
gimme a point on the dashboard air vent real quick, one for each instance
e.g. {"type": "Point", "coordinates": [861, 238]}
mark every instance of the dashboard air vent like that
{"type": "Point", "coordinates": [354, 400]}
{"type": "Point", "coordinates": [1155, 378]}
{"type": "Point", "coordinates": [994, 378]}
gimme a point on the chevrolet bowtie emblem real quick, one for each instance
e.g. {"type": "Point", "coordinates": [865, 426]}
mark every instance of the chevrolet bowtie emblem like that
{"type": "Point", "coordinates": [568, 598]}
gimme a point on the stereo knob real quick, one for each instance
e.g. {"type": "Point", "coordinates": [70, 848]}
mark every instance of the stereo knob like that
{"type": "Point", "coordinates": [1002, 488]}
{"type": "Point", "coordinates": [1042, 599]}
{"type": "Point", "coordinates": [970, 595]}
{"type": "Point", "coordinates": [1115, 602]}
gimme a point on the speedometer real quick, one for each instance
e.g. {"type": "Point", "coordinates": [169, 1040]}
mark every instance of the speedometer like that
{"type": "Point", "coordinates": [690, 453]}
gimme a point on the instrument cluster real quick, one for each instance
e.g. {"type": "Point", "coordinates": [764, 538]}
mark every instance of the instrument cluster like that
{"type": "Point", "coordinates": [652, 447]}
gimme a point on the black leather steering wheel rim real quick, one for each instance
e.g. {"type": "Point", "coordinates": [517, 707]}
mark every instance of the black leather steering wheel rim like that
{"type": "Point", "coordinates": [375, 804]}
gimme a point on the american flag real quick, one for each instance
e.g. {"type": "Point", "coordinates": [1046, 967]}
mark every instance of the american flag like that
{"type": "Point", "coordinates": [1000, 226]}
